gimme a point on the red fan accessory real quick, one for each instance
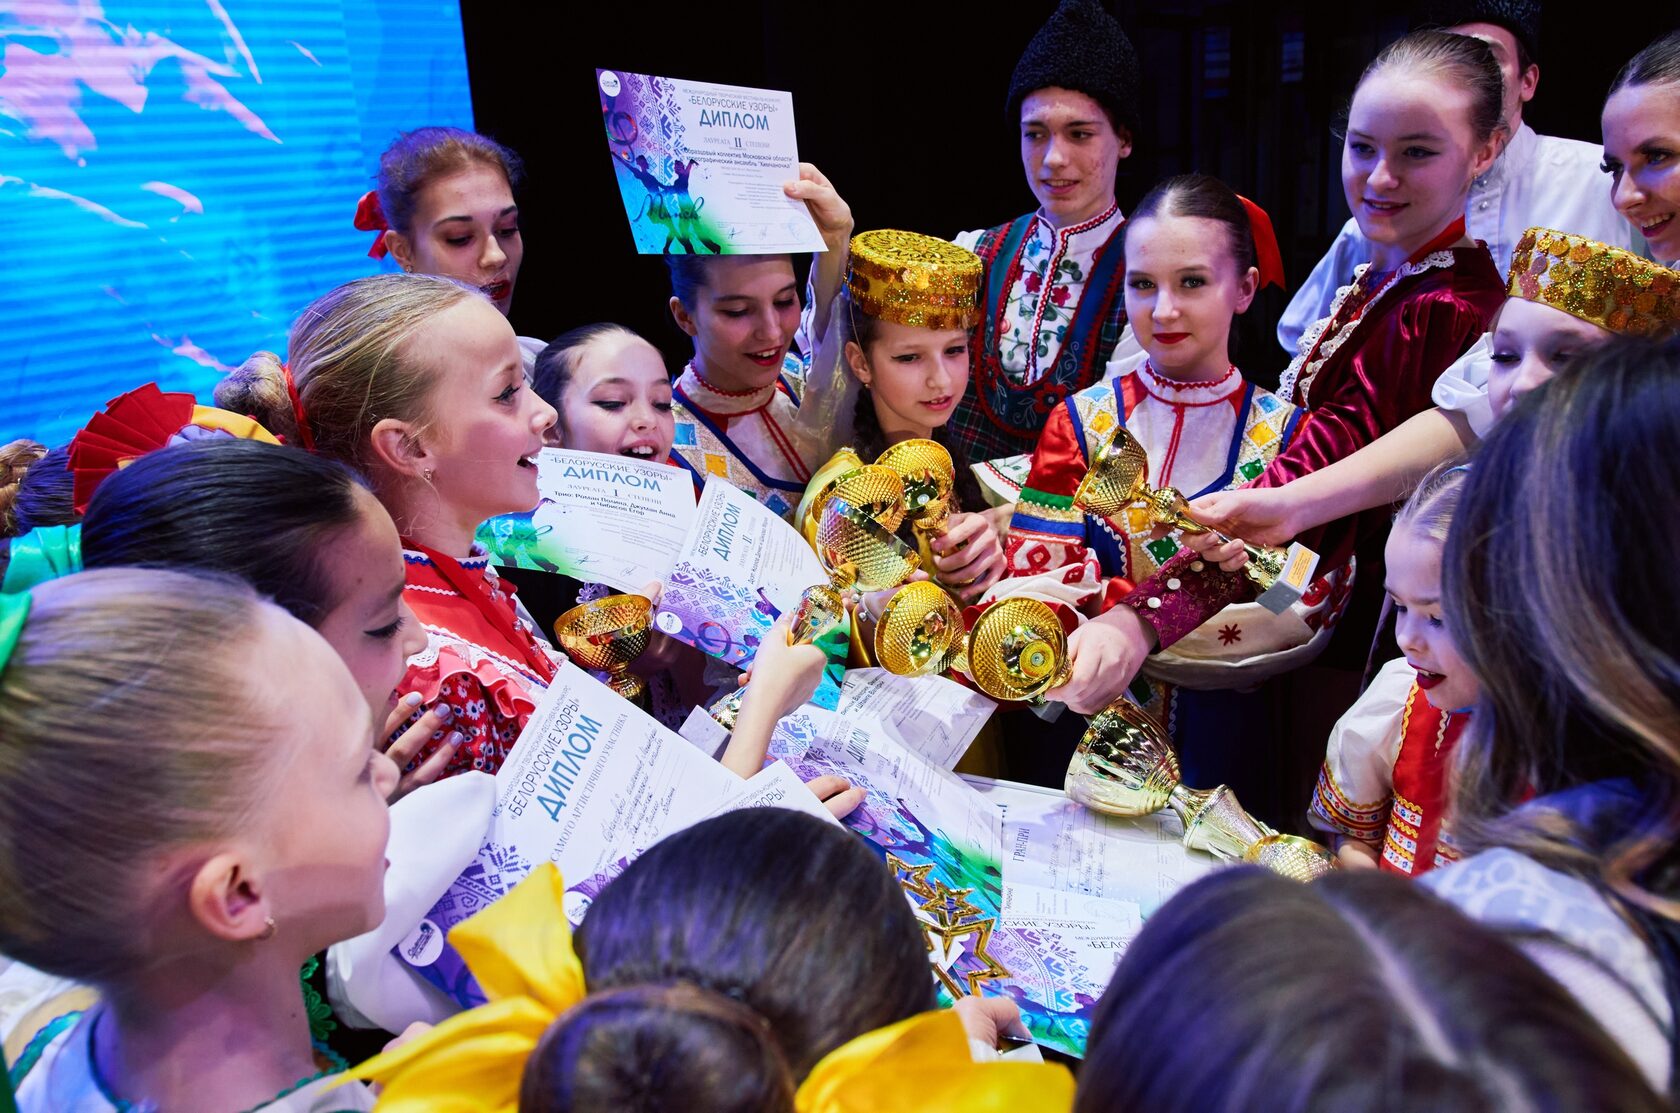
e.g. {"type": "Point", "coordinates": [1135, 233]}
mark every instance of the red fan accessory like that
{"type": "Point", "coordinates": [143, 421]}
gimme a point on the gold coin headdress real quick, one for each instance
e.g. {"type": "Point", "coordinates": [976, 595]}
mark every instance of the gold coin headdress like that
{"type": "Point", "coordinates": [1604, 285]}
{"type": "Point", "coordinates": [914, 280]}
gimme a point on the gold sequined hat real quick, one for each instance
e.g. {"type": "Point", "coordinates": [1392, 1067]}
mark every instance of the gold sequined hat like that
{"type": "Point", "coordinates": [914, 280]}
{"type": "Point", "coordinates": [1605, 285]}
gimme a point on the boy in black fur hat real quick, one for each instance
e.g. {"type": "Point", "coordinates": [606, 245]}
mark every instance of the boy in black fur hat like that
{"type": "Point", "coordinates": [1055, 313]}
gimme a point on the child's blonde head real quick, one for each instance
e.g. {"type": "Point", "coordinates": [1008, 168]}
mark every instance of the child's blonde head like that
{"type": "Point", "coordinates": [354, 362]}
{"type": "Point", "coordinates": [130, 729]}
{"type": "Point", "coordinates": [1429, 511]}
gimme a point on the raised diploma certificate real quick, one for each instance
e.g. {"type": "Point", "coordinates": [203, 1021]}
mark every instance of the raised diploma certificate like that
{"type": "Point", "coordinates": [603, 519]}
{"type": "Point", "coordinates": [701, 166]}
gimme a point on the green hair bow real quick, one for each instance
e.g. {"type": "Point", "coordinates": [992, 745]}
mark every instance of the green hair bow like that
{"type": "Point", "coordinates": [44, 553]}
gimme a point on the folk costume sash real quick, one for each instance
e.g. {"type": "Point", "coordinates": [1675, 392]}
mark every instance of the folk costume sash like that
{"type": "Point", "coordinates": [999, 417]}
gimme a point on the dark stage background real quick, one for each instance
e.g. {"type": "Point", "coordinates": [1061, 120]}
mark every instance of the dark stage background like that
{"type": "Point", "coordinates": [902, 106]}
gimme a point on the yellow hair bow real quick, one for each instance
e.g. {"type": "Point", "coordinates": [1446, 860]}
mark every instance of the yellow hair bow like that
{"type": "Point", "coordinates": [520, 949]}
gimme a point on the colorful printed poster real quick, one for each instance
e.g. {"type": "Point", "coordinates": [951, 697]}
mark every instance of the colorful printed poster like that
{"type": "Point", "coordinates": [701, 166]}
{"type": "Point", "coordinates": [603, 519]}
{"type": "Point", "coordinates": [740, 567]}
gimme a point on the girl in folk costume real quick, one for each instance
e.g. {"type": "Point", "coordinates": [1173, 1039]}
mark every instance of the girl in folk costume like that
{"type": "Point", "coordinates": [444, 205]}
{"type": "Point", "coordinates": [1196, 254]}
{"type": "Point", "coordinates": [1054, 314]}
{"type": "Point", "coordinates": [1383, 789]}
{"type": "Point", "coordinates": [1641, 122]}
{"type": "Point", "coordinates": [903, 329]}
{"type": "Point", "coordinates": [239, 828]}
{"type": "Point", "coordinates": [741, 406]}
{"type": "Point", "coordinates": [417, 382]}
{"type": "Point", "coordinates": [711, 978]}
{"type": "Point", "coordinates": [1425, 121]}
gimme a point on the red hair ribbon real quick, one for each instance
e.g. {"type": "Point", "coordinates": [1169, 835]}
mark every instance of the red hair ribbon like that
{"type": "Point", "coordinates": [370, 217]}
{"type": "Point", "coordinates": [306, 440]}
{"type": "Point", "coordinates": [1266, 253]}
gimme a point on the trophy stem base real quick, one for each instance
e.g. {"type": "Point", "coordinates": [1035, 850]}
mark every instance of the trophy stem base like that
{"type": "Point", "coordinates": [630, 686]}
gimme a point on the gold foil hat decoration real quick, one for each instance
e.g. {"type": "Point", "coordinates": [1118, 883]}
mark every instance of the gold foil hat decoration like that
{"type": "Point", "coordinates": [915, 280]}
{"type": "Point", "coordinates": [1603, 285]}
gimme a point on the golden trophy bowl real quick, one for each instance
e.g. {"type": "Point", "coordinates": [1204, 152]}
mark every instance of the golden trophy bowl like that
{"type": "Point", "coordinates": [820, 610]}
{"type": "Point", "coordinates": [920, 632]}
{"type": "Point", "coordinates": [1118, 479]}
{"type": "Point", "coordinates": [1017, 650]}
{"type": "Point", "coordinates": [842, 464]}
{"type": "Point", "coordinates": [1126, 766]}
{"type": "Point", "coordinates": [929, 478]}
{"type": "Point", "coordinates": [857, 551]}
{"type": "Point", "coordinates": [607, 635]}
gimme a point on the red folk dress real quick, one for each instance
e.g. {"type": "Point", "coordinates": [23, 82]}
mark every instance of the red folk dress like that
{"type": "Point", "coordinates": [483, 659]}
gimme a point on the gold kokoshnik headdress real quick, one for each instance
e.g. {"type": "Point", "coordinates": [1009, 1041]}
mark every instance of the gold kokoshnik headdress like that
{"type": "Point", "coordinates": [914, 280]}
{"type": "Point", "coordinates": [1604, 285]}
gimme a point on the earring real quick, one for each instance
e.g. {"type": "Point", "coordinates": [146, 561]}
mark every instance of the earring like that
{"type": "Point", "coordinates": [268, 929]}
{"type": "Point", "coordinates": [427, 475]}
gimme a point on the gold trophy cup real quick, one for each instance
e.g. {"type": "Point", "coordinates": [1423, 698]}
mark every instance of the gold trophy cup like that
{"type": "Point", "coordinates": [1118, 480]}
{"type": "Point", "coordinates": [920, 632]}
{"type": "Point", "coordinates": [1017, 650]}
{"type": "Point", "coordinates": [855, 541]}
{"type": "Point", "coordinates": [842, 464]}
{"type": "Point", "coordinates": [924, 468]}
{"type": "Point", "coordinates": [608, 634]}
{"type": "Point", "coordinates": [1126, 766]}
{"type": "Point", "coordinates": [820, 610]}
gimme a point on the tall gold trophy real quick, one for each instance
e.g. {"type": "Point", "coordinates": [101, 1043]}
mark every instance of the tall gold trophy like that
{"type": "Point", "coordinates": [1125, 765]}
{"type": "Point", "coordinates": [929, 477]}
{"type": "Point", "coordinates": [854, 515]}
{"type": "Point", "coordinates": [820, 610]}
{"type": "Point", "coordinates": [608, 635]}
{"type": "Point", "coordinates": [1118, 480]}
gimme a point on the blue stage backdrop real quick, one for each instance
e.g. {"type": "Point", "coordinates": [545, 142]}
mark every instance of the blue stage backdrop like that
{"type": "Point", "coordinates": [178, 179]}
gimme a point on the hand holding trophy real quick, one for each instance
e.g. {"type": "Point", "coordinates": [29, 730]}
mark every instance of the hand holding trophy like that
{"type": "Point", "coordinates": [1118, 480]}
{"type": "Point", "coordinates": [1126, 766]}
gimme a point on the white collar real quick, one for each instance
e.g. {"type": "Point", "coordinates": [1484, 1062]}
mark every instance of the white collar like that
{"type": "Point", "coordinates": [1096, 228]}
{"type": "Point", "coordinates": [722, 402]}
{"type": "Point", "coordinates": [1189, 394]}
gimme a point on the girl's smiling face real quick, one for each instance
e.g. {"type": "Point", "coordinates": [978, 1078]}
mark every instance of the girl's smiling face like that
{"type": "Point", "coordinates": [743, 320]}
{"type": "Point", "coordinates": [1642, 157]}
{"type": "Point", "coordinates": [1414, 586]}
{"type": "Point", "coordinates": [617, 400]}
{"type": "Point", "coordinates": [916, 376]}
{"type": "Point", "coordinates": [1408, 160]}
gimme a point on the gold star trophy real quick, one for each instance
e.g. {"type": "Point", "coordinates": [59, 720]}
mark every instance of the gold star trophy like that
{"type": "Point", "coordinates": [1125, 765]}
{"type": "Point", "coordinates": [1118, 480]}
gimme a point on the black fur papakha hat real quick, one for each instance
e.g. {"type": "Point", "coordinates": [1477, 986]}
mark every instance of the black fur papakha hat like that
{"type": "Point", "coordinates": [1520, 17]}
{"type": "Point", "coordinates": [1081, 47]}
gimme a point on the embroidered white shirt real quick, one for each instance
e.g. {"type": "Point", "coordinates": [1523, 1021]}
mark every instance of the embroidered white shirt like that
{"type": "Point", "coordinates": [1055, 264]}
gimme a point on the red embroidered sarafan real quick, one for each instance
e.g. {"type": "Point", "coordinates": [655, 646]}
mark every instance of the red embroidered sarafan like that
{"type": "Point", "coordinates": [482, 661]}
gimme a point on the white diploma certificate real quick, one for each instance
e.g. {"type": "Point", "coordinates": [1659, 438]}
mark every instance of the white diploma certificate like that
{"type": "Point", "coordinates": [740, 567]}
